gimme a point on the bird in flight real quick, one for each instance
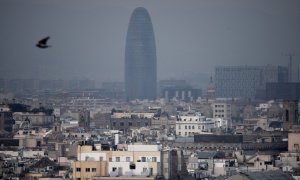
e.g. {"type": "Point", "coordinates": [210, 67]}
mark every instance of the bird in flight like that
{"type": "Point", "coordinates": [43, 43]}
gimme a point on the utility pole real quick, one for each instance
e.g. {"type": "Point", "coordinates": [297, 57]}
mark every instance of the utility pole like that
{"type": "Point", "coordinates": [290, 66]}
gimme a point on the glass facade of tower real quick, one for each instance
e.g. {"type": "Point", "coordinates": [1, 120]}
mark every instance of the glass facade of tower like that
{"type": "Point", "coordinates": [140, 57]}
{"type": "Point", "coordinates": [243, 81]}
{"type": "Point", "coordinates": [237, 81]}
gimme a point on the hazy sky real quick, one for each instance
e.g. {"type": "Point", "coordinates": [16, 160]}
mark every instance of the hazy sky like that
{"type": "Point", "coordinates": [192, 36]}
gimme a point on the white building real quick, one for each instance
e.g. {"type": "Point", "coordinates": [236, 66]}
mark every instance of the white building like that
{"type": "Point", "coordinates": [188, 124]}
{"type": "Point", "coordinates": [139, 160]}
{"type": "Point", "coordinates": [221, 110]}
{"type": "Point", "coordinates": [219, 122]}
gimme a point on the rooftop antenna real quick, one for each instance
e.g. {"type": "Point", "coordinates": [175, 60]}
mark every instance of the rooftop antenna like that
{"type": "Point", "coordinates": [290, 67]}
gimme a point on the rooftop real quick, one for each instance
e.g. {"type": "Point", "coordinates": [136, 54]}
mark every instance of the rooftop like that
{"type": "Point", "coordinates": [267, 175]}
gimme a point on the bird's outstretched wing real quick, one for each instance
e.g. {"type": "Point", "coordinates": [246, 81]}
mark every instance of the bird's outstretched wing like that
{"type": "Point", "coordinates": [44, 41]}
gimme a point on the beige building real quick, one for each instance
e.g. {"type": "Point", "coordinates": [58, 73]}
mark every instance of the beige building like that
{"type": "Point", "coordinates": [33, 176]}
{"type": "Point", "coordinates": [163, 122]}
{"type": "Point", "coordinates": [30, 137]}
{"type": "Point", "coordinates": [89, 169]}
{"type": "Point", "coordinates": [260, 162]}
{"type": "Point", "coordinates": [293, 142]}
{"type": "Point", "coordinates": [148, 115]}
{"type": "Point", "coordinates": [132, 161]}
{"type": "Point", "coordinates": [91, 162]}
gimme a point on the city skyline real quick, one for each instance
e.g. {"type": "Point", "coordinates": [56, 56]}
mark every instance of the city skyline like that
{"type": "Point", "coordinates": [192, 37]}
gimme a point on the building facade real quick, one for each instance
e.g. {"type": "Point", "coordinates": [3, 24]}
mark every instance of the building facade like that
{"type": "Point", "coordinates": [140, 57]}
{"type": "Point", "coordinates": [124, 121]}
{"type": "Point", "coordinates": [186, 93]}
{"type": "Point", "coordinates": [36, 119]}
{"type": "Point", "coordinates": [189, 124]}
{"type": "Point", "coordinates": [6, 120]}
{"type": "Point", "coordinates": [221, 110]}
{"type": "Point", "coordinates": [134, 160]}
{"type": "Point", "coordinates": [244, 81]}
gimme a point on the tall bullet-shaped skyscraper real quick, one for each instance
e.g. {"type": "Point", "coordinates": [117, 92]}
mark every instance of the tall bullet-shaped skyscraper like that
{"type": "Point", "coordinates": [140, 57]}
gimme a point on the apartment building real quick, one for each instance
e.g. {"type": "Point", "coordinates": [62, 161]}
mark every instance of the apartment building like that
{"type": "Point", "coordinates": [124, 121]}
{"type": "Point", "coordinates": [132, 161]}
{"type": "Point", "coordinates": [189, 123]}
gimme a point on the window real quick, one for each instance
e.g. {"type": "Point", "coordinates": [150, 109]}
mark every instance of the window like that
{"type": "Point", "coordinates": [93, 169]}
{"type": "Point", "coordinates": [189, 127]}
{"type": "Point", "coordinates": [146, 124]}
{"type": "Point", "coordinates": [127, 159]}
{"type": "Point", "coordinates": [129, 123]}
{"type": "Point", "coordinates": [144, 169]}
{"type": "Point", "coordinates": [138, 124]}
{"type": "Point", "coordinates": [87, 170]}
{"type": "Point", "coordinates": [114, 123]}
{"type": "Point", "coordinates": [101, 158]}
{"type": "Point", "coordinates": [117, 159]}
{"type": "Point", "coordinates": [185, 127]}
{"type": "Point", "coordinates": [296, 146]}
{"type": "Point", "coordinates": [179, 127]}
{"type": "Point", "coordinates": [132, 166]}
{"type": "Point", "coordinates": [154, 159]}
{"type": "Point", "coordinates": [78, 169]}
{"type": "Point", "coordinates": [193, 127]}
{"type": "Point", "coordinates": [179, 133]}
{"type": "Point", "coordinates": [121, 123]}
{"type": "Point", "coordinates": [86, 158]}
{"type": "Point", "coordinates": [185, 133]}
{"type": "Point", "coordinates": [143, 159]}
